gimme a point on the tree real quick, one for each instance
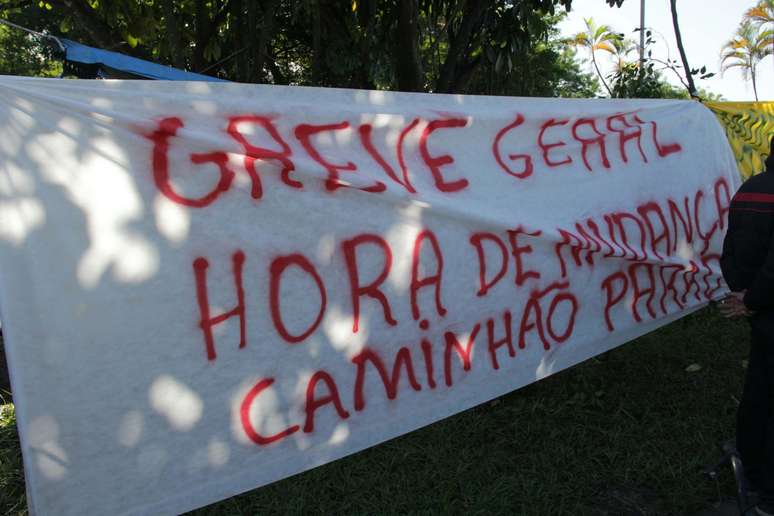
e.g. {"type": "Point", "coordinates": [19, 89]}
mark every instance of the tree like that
{"type": "Point", "coordinates": [645, 79]}
{"type": "Point", "coordinates": [644, 82]}
{"type": "Point", "coordinates": [622, 47]}
{"type": "Point", "coordinates": [570, 80]}
{"type": "Point", "coordinates": [546, 67]}
{"type": "Point", "coordinates": [689, 73]}
{"type": "Point", "coordinates": [744, 51]}
{"type": "Point", "coordinates": [442, 45]}
{"type": "Point", "coordinates": [22, 53]}
{"type": "Point", "coordinates": [417, 45]}
{"type": "Point", "coordinates": [762, 17]}
{"type": "Point", "coordinates": [762, 13]}
{"type": "Point", "coordinates": [597, 38]}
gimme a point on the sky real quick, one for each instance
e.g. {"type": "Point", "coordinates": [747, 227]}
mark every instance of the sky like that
{"type": "Point", "coordinates": [705, 26]}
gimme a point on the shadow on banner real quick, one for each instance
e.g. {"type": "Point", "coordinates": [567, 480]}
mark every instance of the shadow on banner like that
{"type": "Point", "coordinates": [748, 126]}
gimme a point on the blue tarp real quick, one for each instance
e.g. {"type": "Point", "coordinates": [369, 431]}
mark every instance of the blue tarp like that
{"type": "Point", "coordinates": [125, 65]}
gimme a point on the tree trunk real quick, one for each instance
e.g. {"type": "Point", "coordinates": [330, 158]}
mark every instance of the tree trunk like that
{"type": "Point", "coordinates": [200, 14]}
{"type": "Point", "coordinates": [279, 77]}
{"type": "Point", "coordinates": [458, 45]}
{"type": "Point", "coordinates": [240, 41]}
{"type": "Point", "coordinates": [266, 34]}
{"type": "Point", "coordinates": [251, 21]}
{"type": "Point", "coordinates": [173, 34]}
{"type": "Point", "coordinates": [317, 53]}
{"type": "Point", "coordinates": [688, 75]}
{"type": "Point", "coordinates": [601, 78]}
{"type": "Point", "coordinates": [465, 74]}
{"type": "Point", "coordinates": [755, 86]}
{"type": "Point", "coordinates": [366, 12]}
{"type": "Point", "coordinates": [408, 63]}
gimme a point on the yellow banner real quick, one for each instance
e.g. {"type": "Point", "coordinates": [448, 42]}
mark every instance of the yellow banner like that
{"type": "Point", "coordinates": [749, 127]}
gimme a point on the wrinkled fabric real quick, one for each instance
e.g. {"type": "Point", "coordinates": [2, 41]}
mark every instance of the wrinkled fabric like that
{"type": "Point", "coordinates": [748, 127]}
{"type": "Point", "coordinates": [209, 287]}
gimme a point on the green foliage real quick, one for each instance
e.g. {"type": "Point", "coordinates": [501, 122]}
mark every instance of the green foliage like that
{"type": "Point", "coordinates": [631, 82]}
{"type": "Point", "coordinates": [569, 80]}
{"type": "Point", "coordinates": [12, 497]}
{"type": "Point", "coordinates": [749, 46]}
{"type": "Point", "coordinates": [599, 38]}
{"type": "Point", "coordinates": [761, 14]}
{"type": "Point", "coordinates": [543, 68]}
{"type": "Point", "coordinates": [24, 54]}
{"type": "Point", "coordinates": [464, 46]}
{"type": "Point", "coordinates": [633, 79]}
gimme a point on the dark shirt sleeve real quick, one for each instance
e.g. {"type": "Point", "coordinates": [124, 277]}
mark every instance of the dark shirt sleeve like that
{"type": "Point", "coordinates": [760, 293]}
{"type": "Point", "coordinates": [727, 262]}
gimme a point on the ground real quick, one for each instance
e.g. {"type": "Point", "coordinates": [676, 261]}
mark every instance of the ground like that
{"type": "Point", "coordinates": [625, 433]}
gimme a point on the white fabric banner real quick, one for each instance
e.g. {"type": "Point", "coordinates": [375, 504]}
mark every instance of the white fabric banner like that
{"type": "Point", "coordinates": [209, 287]}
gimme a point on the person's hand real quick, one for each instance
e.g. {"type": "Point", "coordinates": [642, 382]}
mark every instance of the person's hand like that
{"type": "Point", "coordinates": [733, 306]}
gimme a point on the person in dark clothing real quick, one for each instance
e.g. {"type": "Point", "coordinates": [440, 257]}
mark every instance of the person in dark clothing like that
{"type": "Point", "coordinates": [748, 268]}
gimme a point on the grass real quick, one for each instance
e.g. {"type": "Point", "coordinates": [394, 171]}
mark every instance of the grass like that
{"type": "Point", "coordinates": [624, 433]}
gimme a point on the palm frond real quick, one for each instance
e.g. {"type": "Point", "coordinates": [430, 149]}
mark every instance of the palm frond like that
{"type": "Point", "coordinates": [604, 45]}
{"type": "Point", "coordinates": [762, 13]}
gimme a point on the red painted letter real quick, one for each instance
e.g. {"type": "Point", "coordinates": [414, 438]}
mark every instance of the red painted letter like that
{"type": "Point", "coordinates": [304, 133]}
{"type": "Point", "coordinates": [160, 137]}
{"type": "Point", "coordinates": [517, 251]}
{"type": "Point", "coordinates": [207, 321]}
{"type": "Point", "coordinates": [349, 247]}
{"type": "Point", "coordinates": [463, 353]}
{"type": "Point", "coordinates": [599, 140]}
{"type": "Point", "coordinates": [435, 279]}
{"type": "Point", "coordinates": [498, 156]}
{"type": "Point", "coordinates": [312, 403]}
{"type": "Point", "coordinates": [611, 299]}
{"type": "Point", "coordinates": [278, 266]}
{"type": "Point", "coordinates": [505, 341]}
{"type": "Point", "coordinates": [624, 136]}
{"type": "Point", "coordinates": [253, 153]}
{"type": "Point", "coordinates": [436, 162]}
{"type": "Point", "coordinates": [665, 149]}
{"type": "Point", "coordinates": [546, 147]}
{"type": "Point", "coordinates": [244, 414]}
{"type": "Point", "coordinates": [365, 139]}
{"type": "Point", "coordinates": [476, 241]}
{"type": "Point", "coordinates": [403, 357]}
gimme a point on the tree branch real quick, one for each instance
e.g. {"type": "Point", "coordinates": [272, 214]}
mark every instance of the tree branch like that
{"type": "Point", "coordinates": [100, 33]}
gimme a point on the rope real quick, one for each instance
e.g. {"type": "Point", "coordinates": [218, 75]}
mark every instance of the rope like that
{"type": "Point", "coordinates": [34, 33]}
